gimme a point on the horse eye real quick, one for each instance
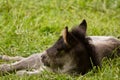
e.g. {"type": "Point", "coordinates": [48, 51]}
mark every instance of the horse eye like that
{"type": "Point", "coordinates": [59, 49]}
{"type": "Point", "coordinates": [63, 47]}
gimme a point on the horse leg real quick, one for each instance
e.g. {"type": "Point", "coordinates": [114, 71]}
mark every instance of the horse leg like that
{"type": "Point", "coordinates": [10, 58]}
{"type": "Point", "coordinates": [32, 62]}
{"type": "Point", "coordinates": [33, 72]}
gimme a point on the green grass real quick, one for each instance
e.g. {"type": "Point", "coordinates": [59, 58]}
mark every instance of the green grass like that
{"type": "Point", "coordinates": [30, 26]}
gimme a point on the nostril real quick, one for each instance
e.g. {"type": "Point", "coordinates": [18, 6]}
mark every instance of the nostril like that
{"type": "Point", "coordinates": [43, 56]}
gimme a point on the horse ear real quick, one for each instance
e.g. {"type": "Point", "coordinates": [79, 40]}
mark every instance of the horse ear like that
{"type": "Point", "coordinates": [83, 26]}
{"type": "Point", "coordinates": [65, 35]}
{"type": "Point", "coordinates": [68, 38]}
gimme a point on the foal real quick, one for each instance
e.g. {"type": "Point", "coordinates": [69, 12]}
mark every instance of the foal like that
{"type": "Point", "coordinates": [72, 53]}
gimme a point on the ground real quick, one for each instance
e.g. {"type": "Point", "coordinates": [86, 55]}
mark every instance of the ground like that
{"type": "Point", "coordinates": [31, 26]}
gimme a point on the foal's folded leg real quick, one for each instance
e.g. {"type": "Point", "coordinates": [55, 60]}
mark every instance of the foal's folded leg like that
{"type": "Point", "coordinates": [11, 58]}
{"type": "Point", "coordinates": [32, 62]}
{"type": "Point", "coordinates": [33, 72]}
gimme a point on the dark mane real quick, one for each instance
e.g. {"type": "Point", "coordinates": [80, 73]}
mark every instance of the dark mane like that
{"type": "Point", "coordinates": [90, 48]}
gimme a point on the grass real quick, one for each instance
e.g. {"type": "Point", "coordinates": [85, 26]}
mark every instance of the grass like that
{"type": "Point", "coordinates": [30, 26]}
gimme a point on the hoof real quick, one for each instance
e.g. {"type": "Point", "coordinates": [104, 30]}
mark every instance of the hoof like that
{"type": "Point", "coordinates": [1, 57]}
{"type": "Point", "coordinates": [21, 73]}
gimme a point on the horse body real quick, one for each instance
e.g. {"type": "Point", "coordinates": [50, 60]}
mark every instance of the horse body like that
{"type": "Point", "coordinates": [73, 52]}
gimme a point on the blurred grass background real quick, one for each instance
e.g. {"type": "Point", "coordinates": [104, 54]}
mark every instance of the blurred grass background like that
{"type": "Point", "coordinates": [31, 26]}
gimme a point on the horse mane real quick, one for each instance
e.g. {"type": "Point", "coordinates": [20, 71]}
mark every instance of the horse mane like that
{"type": "Point", "coordinates": [90, 48]}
